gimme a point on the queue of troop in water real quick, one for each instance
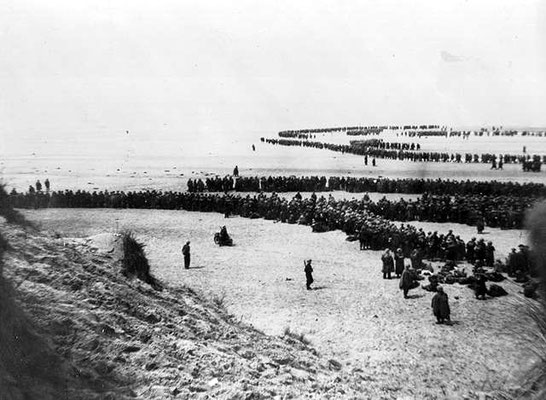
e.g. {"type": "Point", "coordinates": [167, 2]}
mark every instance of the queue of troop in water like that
{"type": "Point", "coordinates": [417, 155]}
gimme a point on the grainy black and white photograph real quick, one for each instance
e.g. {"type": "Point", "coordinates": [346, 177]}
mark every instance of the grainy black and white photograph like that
{"type": "Point", "coordinates": [253, 200]}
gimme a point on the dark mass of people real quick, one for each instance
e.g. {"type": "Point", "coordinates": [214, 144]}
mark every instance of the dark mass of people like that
{"type": "Point", "coordinates": [350, 130]}
{"type": "Point", "coordinates": [505, 212]}
{"type": "Point", "coordinates": [412, 131]}
{"type": "Point", "coordinates": [435, 186]}
{"type": "Point", "coordinates": [491, 203]}
{"type": "Point", "coordinates": [281, 184]}
{"type": "Point", "coordinates": [409, 155]}
{"type": "Point", "coordinates": [495, 204]}
{"type": "Point", "coordinates": [323, 214]}
{"type": "Point", "coordinates": [380, 144]}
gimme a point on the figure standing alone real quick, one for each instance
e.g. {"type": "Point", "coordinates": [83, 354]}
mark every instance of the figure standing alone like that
{"type": "Point", "coordinates": [440, 306]}
{"type": "Point", "coordinates": [186, 253]}
{"type": "Point", "coordinates": [308, 274]}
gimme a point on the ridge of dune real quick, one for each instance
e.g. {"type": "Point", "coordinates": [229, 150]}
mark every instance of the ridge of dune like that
{"type": "Point", "coordinates": [122, 339]}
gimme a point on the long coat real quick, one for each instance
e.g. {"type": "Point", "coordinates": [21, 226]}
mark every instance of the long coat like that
{"type": "Point", "coordinates": [440, 305]}
{"type": "Point", "coordinates": [406, 280]}
{"type": "Point", "coordinates": [308, 274]}
{"type": "Point", "coordinates": [399, 263]}
{"type": "Point", "coordinates": [388, 263]}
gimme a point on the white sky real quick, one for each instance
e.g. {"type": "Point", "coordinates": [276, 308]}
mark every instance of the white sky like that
{"type": "Point", "coordinates": [180, 68]}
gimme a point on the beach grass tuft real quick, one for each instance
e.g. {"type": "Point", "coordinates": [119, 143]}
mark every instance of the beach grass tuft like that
{"type": "Point", "coordinates": [300, 337]}
{"type": "Point", "coordinates": [134, 261]}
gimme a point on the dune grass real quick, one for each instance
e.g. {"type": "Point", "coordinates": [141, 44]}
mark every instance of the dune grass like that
{"type": "Point", "coordinates": [135, 262]}
{"type": "Point", "coordinates": [300, 337]}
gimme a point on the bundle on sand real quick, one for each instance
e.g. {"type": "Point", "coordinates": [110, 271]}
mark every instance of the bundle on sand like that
{"type": "Point", "coordinates": [134, 261]}
{"type": "Point", "coordinates": [530, 289]}
{"type": "Point", "coordinates": [496, 291]}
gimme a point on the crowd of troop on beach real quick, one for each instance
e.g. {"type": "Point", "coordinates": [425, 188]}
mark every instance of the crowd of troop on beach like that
{"type": "Point", "coordinates": [315, 183]}
{"type": "Point", "coordinates": [360, 219]}
{"type": "Point", "coordinates": [494, 204]}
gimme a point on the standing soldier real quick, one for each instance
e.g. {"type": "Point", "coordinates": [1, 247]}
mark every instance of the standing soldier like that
{"type": "Point", "coordinates": [399, 262]}
{"type": "Point", "coordinates": [406, 281]}
{"type": "Point", "coordinates": [38, 186]}
{"type": "Point", "coordinates": [480, 224]}
{"type": "Point", "coordinates": [308, 269]}
{"type": "Point", "coordinates": [186, 253]}
{"type": "Point", "coordinates": [388, 264]}
{"type": "Point", "coordinates": [440, 306]}
{"type": "Point", "coordinates": [46, 185]}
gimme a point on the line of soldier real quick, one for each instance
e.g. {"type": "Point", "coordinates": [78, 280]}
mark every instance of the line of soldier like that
{"type": "Point", "coordinates": [295, 133]}
{"type": "Point", "coordinates": [322, 214]}
{"type": "Point", "coordinates": [415, 130]}
{"type": "Point", "coordinates": [505, 212]}
{"type": "Point", "coordinates": [416, 156]}
{"type": "Point", "coordinates": [256, 184]}
{"type": "Point", "coordinates": [380, 144]}
{"type": "Point", "coordinates": [496, 211]}
{"type": "Point", "coordinates": [364, 184]}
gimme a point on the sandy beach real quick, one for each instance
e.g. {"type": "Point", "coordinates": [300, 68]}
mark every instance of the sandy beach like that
{"type": "Point", "coordinates": [354, 316]}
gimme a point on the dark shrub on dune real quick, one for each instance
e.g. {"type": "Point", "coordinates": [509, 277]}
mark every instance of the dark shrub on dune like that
{"type": "Point", "coordinates": [7, 211]}
{"type": "Point", "coordinates": [135, 262]}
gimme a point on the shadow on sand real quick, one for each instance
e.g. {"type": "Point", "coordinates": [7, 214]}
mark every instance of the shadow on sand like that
{"type": "Point", "coordinates": [415, 296]}
{"type": "Point", "coordinates": [449, 323]}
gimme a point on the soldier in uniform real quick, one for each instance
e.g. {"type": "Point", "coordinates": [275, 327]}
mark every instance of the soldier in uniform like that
{"type": "Point", "coordinates": [308, 269]}
{"type": "Point", "coordinates": [186, 253]}
{"type": "Point", "coordinates": [440, 306]}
